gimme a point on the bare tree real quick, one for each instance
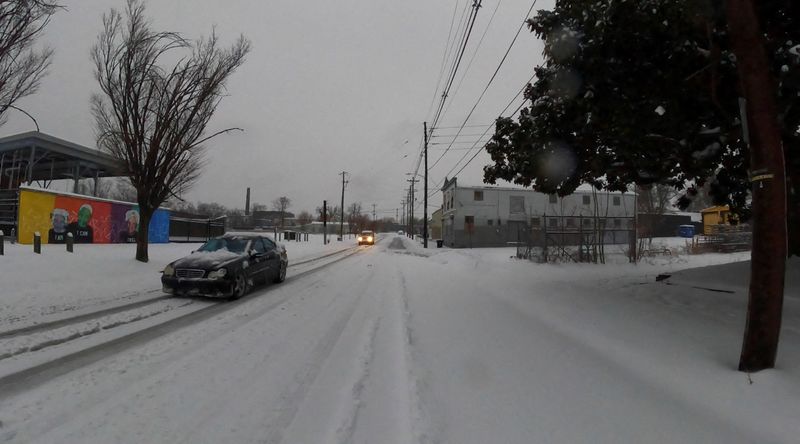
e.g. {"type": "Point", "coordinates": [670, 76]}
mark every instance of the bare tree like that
{"type": "Point", "coordinates": [304, 218]}
{"type": "Point", "coordinates": [21, 66]}
{"type": "Point", "coordinates": [282, 204]}
{"type": "Point", "coordinates": [332, 214]}
{"type": "Point", "coordinates": [152, 117]}
{"type": "Point", "coordinates": [353, 216]}
{"type": "Point", "coordinates": [211, 209]}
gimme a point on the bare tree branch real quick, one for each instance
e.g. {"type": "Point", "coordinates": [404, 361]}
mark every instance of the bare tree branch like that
{"type": "Point", "coordinates": [154, 117]}
{"type": "Point", "coordinates": [21, 66]}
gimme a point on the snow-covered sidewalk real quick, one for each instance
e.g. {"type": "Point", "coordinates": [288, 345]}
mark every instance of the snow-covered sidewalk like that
{"type": "Point", "coordinates": [36, 287]}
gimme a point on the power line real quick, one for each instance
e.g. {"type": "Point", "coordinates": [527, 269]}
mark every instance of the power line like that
{"type": "Point", "coordinates": [510, 102]}
{"type": "Point", "coordinates": [465, 126]}
{"type": "Point", "coordinates": [447, 50]}
{"type": "Point", "coordinates": [457, 62]}
{"type": "Point", "coordinates": [454, 66]}
{"type": "Point", "coordinates": [451, 135]}
{"type": "Point", "coordinates": [475, 53]}
{"type": "Point", "coordinates": [494, 75]}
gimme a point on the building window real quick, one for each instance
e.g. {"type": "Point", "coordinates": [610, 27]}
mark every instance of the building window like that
{"type": "Point", "coordinates": [602, 223]}
{"type": "Point", "coordinates": [570, 222]}
{"type": "Point", "coordinates": [587, 200]}
{"type": "Point", "coordinates": [587, 222]}
{"type": "Point", "coordinates": [535, 222]}
{"type": "Point", "coordinates": [553, 198]}
{"type": "Point", "coordinates": [617, 223]}
{"type": "Point", "coordinates": [498, 222]}
{"type": "Point", "coordinates": [552, 222]}
{"type": "Point", "coordinates": [617, 201]}
{"type": "Point", "coordinates": [517, 204]}
{"type": "Point", "coordinates": [490, 222]}
{"type": "Point", "coordinates": [478, 195]}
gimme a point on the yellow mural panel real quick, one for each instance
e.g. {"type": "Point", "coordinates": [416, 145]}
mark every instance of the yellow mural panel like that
{"type": "Point", "coordinates": [34, 215]}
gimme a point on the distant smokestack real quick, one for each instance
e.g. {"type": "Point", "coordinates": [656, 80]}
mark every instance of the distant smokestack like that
{"type": "Point", "coordinates": [247, 203]}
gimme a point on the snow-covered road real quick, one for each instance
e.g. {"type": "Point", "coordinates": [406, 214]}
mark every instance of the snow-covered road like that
{"type": "Point", "coordinates": [400, 345]}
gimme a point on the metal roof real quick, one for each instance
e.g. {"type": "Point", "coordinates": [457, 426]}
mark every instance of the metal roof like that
{"type": "Point", "coordinates": [47, 157]}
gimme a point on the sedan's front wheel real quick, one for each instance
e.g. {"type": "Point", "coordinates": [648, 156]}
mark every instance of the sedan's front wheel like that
{"type": "Point", "coordinates": [239, 286]}
{"type": "Point", "coordinates": [281, 274]}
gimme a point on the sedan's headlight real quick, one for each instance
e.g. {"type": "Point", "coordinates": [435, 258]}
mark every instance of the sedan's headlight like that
{"type": "Point", "coordinates": [369, 239]}
{"type": "Point", "coordinates": [218, 274]}
{"type": "Point", "coordinates": [169, 270]}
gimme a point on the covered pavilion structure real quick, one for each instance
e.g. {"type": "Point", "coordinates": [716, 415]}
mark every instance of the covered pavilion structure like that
{"type": "Point", "coordinates": [36, 158]}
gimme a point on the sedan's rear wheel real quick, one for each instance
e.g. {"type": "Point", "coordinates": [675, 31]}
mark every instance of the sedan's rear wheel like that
{"type": "Point", "coordinates": [239, 286]}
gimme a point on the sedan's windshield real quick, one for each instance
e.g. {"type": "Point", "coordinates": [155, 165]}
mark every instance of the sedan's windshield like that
{"type": "Point", "coordinates": [231, 244]}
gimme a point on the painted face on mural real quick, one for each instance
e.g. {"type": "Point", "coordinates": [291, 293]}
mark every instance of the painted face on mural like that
{"type": "Point", "coordinates": [84, 215]}
{"type": "Point", "coordinates": [59, 220]}
{"type": "Point", "coordinates": [132, 219]}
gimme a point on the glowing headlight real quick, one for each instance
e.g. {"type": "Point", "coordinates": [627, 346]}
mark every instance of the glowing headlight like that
{"type": "Point", "coordinates": [169, 270]}
{"type": "Point", "coordinates": [369, 239]}
{"type": "Point", "coordinates": [217, 274]}
{"type": "Point", "coordinates": [360, 238]}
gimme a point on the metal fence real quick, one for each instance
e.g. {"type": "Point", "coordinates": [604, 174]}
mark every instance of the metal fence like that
{"type": "Point", "coordinates": [183, 229]}
{"type": "Point", "coordinates": [586, 241]}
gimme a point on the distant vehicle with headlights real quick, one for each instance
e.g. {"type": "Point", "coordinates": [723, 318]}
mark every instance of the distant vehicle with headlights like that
{"type": "Point", "coordinates": [366, 237]}
{"type": "Point", "coordinates": [227, 266]}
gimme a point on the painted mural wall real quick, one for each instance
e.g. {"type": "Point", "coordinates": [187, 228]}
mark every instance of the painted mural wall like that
{"type": "Point", "coordinates": [91, 221]}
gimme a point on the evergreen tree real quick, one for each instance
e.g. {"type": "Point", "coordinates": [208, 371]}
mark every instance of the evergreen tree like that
{"type": "Point", "coordinates": [647, 92]}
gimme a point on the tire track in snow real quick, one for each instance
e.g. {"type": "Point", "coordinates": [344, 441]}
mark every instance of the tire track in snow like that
{"type": "Point", "coordinates": [38, 374]}
{"type": "Point", "coordinates": [81, 318]}
{"type": "Point", "coordinates": [344, 434]}
{"type": "Point", "coordinates": [417, 411]}
{"type": "Point", "coordinates": [296, 394]}
{"type": "Point", "coordinates": [50, 325]}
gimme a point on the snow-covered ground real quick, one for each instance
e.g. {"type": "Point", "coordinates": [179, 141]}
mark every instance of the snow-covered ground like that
{"type": "Point", "coordinates": [36, 287]}
{"type": "Point", "coordinates": [397, 344]}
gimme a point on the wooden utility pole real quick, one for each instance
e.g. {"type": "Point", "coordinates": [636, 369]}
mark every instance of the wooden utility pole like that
{"type": "Point", "coordinates": [341, 219]}
{"type": "Point", "coordinates": [767, 170]}
{"type": "Point", "coordinates": [324, 222]}
{"type": "Point", "coordinates": [413, 181]}
{"type": "Point", "coordinates": [425, 205]}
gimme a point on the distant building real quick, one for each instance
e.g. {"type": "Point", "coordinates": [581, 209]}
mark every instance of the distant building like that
{"type": "Point", "coordinates": [317, 228]}
{"type": "Point", "coordinates": [264, 219]}
{"type": "Point", "coordinates": [718, 215]}
{"type": "Point", "coordinates": [484, 216]}
{"type": "Point", "coordinates": [435, 225]}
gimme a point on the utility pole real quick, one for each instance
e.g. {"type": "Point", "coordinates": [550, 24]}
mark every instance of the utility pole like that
{"type": "Point", "coordinates": [403, 219]}
{"type": "Point", "coordinates": [425, 205]}
{"type": "Point", "coordinates": [413, 181]}
{"type": "Point", "coordinates": [373, 213]}
{"type": "Point", "coordinates": [341, 219]}
{"type": "Point", "coordinates": [324, 222]}
{"type": "Point", "coordinates": [767, 170]}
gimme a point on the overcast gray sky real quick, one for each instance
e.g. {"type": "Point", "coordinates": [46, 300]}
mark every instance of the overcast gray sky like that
{"type": "Point", "coordinates": [329, 86]}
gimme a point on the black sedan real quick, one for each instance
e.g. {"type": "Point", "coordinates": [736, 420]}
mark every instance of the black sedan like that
{"type": "Point", "coordinates": [226, 266]}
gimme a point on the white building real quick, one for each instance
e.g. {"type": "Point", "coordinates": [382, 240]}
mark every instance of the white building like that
{"type": "Point", "coordinates": [484, 216]}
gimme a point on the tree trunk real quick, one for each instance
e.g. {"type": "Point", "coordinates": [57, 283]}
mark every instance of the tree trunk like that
{"type": "Point", "coordinates": [142, 236]}
{"type": "Point", "coordinates": [768, 264]}
{"type": "Point", "coordinates": [793, 204]}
